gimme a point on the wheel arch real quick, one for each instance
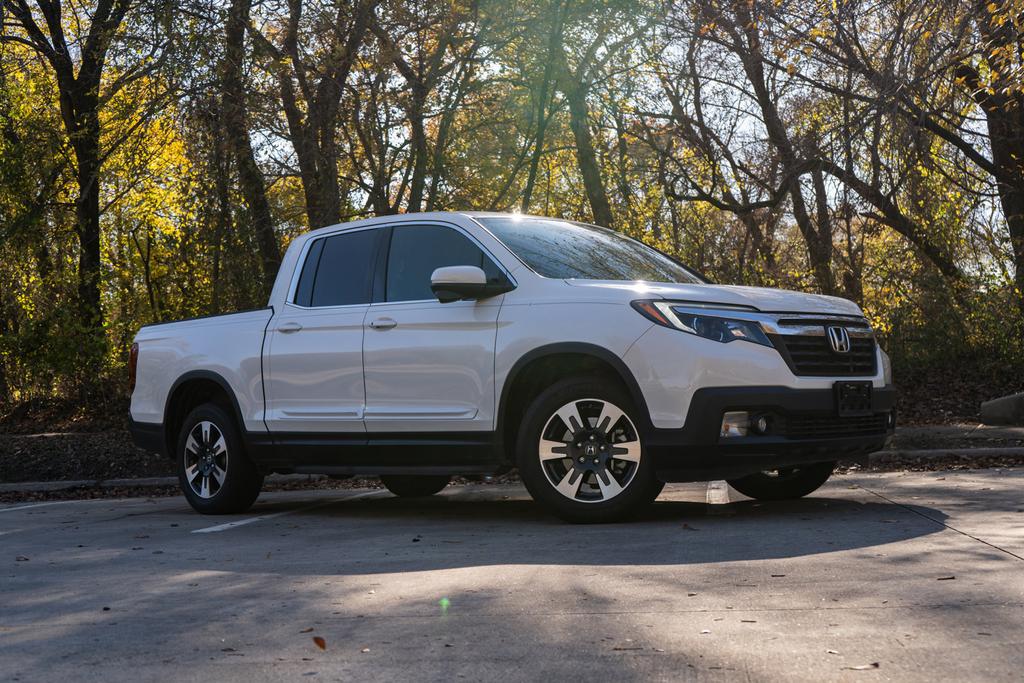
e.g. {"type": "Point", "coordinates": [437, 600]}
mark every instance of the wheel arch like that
{"type": "Point", "coordinates": [191, 390]}
{"type": "Point", "coordinates": [538, 368]}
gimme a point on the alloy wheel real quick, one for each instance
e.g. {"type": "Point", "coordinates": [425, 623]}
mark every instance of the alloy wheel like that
{"type": "Point", "coordinates": [589, 450]}
{"type": "Point", "coordinates": [206, 459]}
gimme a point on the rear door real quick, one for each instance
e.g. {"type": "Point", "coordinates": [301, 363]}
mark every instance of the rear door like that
{"type": "Point", "coordinates": [429, 366]}
{"type": "Point", "coordinates": [314, 363]}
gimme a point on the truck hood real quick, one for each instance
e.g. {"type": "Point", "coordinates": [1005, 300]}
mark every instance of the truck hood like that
{"type": "Point", "coordinates": [760, 298]}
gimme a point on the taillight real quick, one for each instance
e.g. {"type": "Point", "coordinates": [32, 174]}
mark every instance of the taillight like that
{"type": "Point", "coordinates": [133, 364]}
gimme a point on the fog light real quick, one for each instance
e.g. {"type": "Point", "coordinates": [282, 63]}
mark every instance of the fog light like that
{"type": "Point", "coordinates": [735, 423]}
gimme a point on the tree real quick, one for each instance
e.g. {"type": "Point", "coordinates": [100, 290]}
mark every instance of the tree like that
{"type": "Point", "coordinates": [936, 66]}
{"type": "Point", "coordinates": [425, 42]}
{"type": "Point", "coordinates": [79, 43]}
{"type": "Point", "coordinates": [311, 79]}
{"type": "Point", "coordinates": [236, 129]}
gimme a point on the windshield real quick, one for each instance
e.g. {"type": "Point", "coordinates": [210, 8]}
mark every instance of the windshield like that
{"type": "Point", "coordinates": [564, 250]}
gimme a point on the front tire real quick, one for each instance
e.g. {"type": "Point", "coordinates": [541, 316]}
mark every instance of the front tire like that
{"type": "Point", "coordinates": [414, 486]}
{"type": "Point", "coordinates": [786, 483]}
{"type": "Point", "coordinates": [214, 471]}
{"type": "Point", "coordinates": [580, 453]}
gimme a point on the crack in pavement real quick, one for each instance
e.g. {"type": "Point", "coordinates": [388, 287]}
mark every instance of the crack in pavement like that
{"type": "Point", "coordinates": [941, 523]}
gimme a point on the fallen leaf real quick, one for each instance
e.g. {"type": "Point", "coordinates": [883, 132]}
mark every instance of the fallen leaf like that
{"type": "Point", "coordinates": [320, 642]}
{"type": "Point", "coordinates": [946, 578]}
{"type": "Point", "coordinates": [690, 595]}
{"type": "Point", "coordinates": [863, 667]}
{"type": "Point", "coordinates": [689, 528]}
{"type": "Point", "coordinates": [365, 649]}
{"type": "Point", "coordinates": [21, 558]}
{"type": "Point", "coordinates": [777, 576]}
{"type": "Point", "coordinates": [307, 630]}
{"type": "Point", "coordinates": [831, 652]}
{"type": "Point", "coordinates": [705, 631]}
{"type": "Point", "coordinates": [748, 621]}
{"type": "Point", "coordinates": [626, 648]}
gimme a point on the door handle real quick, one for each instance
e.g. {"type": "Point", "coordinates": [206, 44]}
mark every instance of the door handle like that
{"type": "Point", "coordinates": [383, 324]}
{"type": "Point", "coordinates": [288, 328]}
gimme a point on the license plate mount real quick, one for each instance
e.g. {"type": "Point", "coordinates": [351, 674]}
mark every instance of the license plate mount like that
{"type": "Point", "coordinates": [853, 398]}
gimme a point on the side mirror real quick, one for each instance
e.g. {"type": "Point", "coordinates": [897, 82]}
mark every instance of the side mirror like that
{"type": "Point", "coordinates": [455, 283]}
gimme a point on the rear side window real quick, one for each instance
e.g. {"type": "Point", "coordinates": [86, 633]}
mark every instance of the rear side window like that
{"type": "Point", "coordinates": [417, 250]}
{"type": "Point", "coordinates": [338, 270]}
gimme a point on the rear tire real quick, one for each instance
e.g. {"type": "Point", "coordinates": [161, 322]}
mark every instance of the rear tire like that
{"type": "Point", "coordinates": [214, 471]}
{"type": "Point", "coordinates": [786, 483]}
{"type": "Point", "coordinates": [580, 454]}
{"type": "Point", "coordinates": [414, 485]}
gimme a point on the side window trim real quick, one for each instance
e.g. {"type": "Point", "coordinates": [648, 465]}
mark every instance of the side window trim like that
{"type": "Point", "coordinates": [290, 300]}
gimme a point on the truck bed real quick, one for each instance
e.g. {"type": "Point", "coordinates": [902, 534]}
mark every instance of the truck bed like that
{"type": "Point", "coordinates": [227, 346]}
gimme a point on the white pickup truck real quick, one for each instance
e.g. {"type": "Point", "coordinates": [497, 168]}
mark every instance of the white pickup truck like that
{"type": "Point", "coordinates": [423, 346]}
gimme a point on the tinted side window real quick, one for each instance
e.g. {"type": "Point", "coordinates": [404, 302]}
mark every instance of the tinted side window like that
{"type": "Point", "coordinates": [418, 250]}
{"type": "Point", "coordinates": [304, 292]}
{"type": "Point", "coordinates": [344, 270]}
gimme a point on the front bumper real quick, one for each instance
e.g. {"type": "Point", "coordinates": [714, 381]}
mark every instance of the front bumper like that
{"type": "Point", "coordinates": [697, 453]}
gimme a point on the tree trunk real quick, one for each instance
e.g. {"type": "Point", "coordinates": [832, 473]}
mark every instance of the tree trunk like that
{"type": "Point", "coordinates": [1006, 134]}
{"type": "Point", "coordinates": [543, 98]}
{"type": "Point", "coordinates": [819, 250]}
{"type": "Point", "coordinates": [250, 178]}
{"type": "Point", "coordinates": [418, 138]}
{"type": "Point", "coordinates": [586, 158]}
{"type": "Point", "coordinates": [222, 170]}
{"type": "Point", "coordinates": [86, 142]}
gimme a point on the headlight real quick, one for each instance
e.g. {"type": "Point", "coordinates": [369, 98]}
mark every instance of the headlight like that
{"type": "Point", "coordinates": [706, 323]}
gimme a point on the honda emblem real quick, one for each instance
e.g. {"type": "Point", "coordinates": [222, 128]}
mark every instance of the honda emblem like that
{"type": "Point", "coordinates": [838, 339]}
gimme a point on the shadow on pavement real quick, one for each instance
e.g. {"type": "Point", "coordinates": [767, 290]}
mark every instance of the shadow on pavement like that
{"type": "Point", "coordinates": [390, 534]}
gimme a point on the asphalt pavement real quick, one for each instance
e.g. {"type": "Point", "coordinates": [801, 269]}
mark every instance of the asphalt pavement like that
{"type": "Point", "coordinates": [889, 576]}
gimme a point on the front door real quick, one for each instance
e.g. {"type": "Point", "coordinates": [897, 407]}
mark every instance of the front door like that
{"type": "Point", "coordinates": [429, 366]}
{"type": "Point", "coordinates": [314, 363]}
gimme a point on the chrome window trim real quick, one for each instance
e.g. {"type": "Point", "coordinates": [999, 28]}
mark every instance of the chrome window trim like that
{"type": "Point", "coordinates": [781, 323]}
{"type": "Point", "coordinates": [301, 260]}
{"type": "Point", "coordinates": [297, 273]}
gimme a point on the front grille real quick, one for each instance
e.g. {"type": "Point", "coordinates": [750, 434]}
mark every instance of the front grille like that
{"type": "Point", "coordinates": [811, 356]}
{"type": "Point", "coordinates": [805, 426]}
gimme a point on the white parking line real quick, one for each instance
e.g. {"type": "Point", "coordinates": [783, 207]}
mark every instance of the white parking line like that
{"type": "Point", "coordinates": [718, 493]}
{"type": "Point", "coordinates": [37, 505]}
{"type": "Point", "coordinates": [250, 520]}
